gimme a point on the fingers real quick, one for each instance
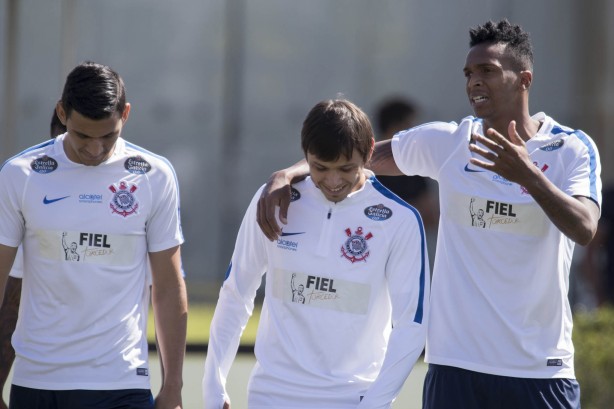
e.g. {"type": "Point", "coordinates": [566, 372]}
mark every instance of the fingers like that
{"type": "Point", "coordinates": [486, 154]}
{"type": "Point", "coordinates": [266, 217]}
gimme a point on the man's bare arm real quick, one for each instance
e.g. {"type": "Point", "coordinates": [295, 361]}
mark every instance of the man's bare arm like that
{"type": "Point", "coordinates": [382, 162]}
{"type": "Point", "coordinates": [170, 305]}
{"type": "Point", "coordinates": [8, 320]}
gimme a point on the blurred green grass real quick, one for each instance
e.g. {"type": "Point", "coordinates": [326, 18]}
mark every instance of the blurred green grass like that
{"type": "Point", "coordinates": [199, 321]}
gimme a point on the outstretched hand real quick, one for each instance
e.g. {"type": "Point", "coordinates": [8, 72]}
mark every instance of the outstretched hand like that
{"type": "Point", "coordinates": [508, 157]}
{"type": "Point", "coordinates": [276, 192]}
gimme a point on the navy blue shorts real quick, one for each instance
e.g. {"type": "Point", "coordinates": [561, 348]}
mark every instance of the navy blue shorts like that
{"type": "Point", "coordinates": [447, 387]}
{"type": "Point", "coordinates": [28, 398]}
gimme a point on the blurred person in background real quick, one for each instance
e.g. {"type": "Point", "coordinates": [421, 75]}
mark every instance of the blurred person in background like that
{"type": "Point", "coordinates": [80, 340]}
{"type": "Point", "coordinates": [598, 262]}
{"type": "Point", "coordinates": [347, 289]}
{"type": "Point", "coordinates": [12, 294]}
{"type": "Point", "coordinates": [500, 326]}
{"type": "Point", "coordinates": [392, 115]}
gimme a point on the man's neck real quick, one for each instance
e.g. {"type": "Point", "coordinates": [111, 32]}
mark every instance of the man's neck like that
{"type": "Point", "coordinates": [526, 126]}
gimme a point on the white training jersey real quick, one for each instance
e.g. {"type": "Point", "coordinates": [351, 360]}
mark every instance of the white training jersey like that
{"type": "Point", "coordinates": [17, 269]}
{"type": "Point", "coordinates": [501, 274]}
{"type": "Point", "coordinates": [345, 307]}
{"type": "Point", "coordinates": [86, 232]}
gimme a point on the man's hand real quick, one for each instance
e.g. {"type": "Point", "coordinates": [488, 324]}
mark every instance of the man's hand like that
{"type": "Point", "coordinates": [276, 193]}
{"type": "Point", "coordinates": [509, 157]}
{"type": "Point", "coordinates": [226, 405]}
{"type": "Point", "coordinates": [168, 399]}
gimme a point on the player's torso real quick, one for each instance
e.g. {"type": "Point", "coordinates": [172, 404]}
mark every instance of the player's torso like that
{"type": "Point", "coordinates": [336, 252]}
{"type": "Point", "coordinates": [98, 212]}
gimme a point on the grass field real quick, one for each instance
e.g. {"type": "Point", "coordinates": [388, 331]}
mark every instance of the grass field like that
{"type": "Point", "coordinates": [199, 320]}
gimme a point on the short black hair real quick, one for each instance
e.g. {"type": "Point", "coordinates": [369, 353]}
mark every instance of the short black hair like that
{"type": "Point", "coordinates": [336, 127]}
{"type": "Point", "coordinates": [517, 40]}
{"type": "Point", "coordinates": [94, 90]}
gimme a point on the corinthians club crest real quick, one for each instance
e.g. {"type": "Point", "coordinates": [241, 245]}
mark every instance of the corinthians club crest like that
{"type": "Point", "coordinates": [355, 247]}
{"type": "Point", "coordinates": [123, 202]}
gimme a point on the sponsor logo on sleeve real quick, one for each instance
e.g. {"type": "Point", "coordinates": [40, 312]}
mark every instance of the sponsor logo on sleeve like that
{"type": "Point", "coordinates": [44, 164]}
{"type": "Point", "coordinates": [137, 165]}
{"type": "Point", "coordinates": [294, 195]}
{"type": "Point", "coordinates": [378, 212]}
{"type": "Point", "coordinates": [552, 146]}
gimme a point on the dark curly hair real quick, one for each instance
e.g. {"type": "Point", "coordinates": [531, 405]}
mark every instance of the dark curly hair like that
{"type": "Point", "coordinates": [517, 40]}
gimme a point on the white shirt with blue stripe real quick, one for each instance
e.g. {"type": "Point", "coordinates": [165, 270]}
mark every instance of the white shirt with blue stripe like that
{"type": "Point", "coordinates": [345, 308]}
{"type": "Point", "coordinates": [501, 275]}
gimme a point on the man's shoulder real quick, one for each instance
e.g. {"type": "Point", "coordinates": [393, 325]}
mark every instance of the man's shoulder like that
{"type": "Point", "coordinates": [386, 203]}
{"type": "Point", "coordinates": [30, 157]}
{"type": "Point", "coordinates": [140, 160]}
{"type": "Point", "coordinates": [432, 130]}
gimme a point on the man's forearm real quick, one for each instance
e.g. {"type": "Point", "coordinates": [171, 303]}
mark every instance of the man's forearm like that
{"type": "Point", "coordinates": [8, 320]}
{"type": "Point", "coordinates": [577, 218]}
{"type": "Point", "coordinates": [382, 161]}
{"type": "Point", "coordinates": [170, 311]}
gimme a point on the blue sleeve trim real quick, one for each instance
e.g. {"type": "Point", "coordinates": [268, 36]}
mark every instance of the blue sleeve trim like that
{"type": "Point", "coordinates": [390, 195]}
{"type": "Point", "coordinates": [30, 149]}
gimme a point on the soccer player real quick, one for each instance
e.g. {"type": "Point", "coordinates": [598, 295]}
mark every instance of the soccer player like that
{"type": "Point", "coordinates": [347, 288]}
{"type": "Point", "coordinates": [500, 324]}
{"type": "Point", "coordinates": [80, 339]}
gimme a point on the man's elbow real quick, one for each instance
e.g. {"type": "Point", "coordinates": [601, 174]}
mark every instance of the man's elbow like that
{"type": "Point", "coordinates": [585, 235]}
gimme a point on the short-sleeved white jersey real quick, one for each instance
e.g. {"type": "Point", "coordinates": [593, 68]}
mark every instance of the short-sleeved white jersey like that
{"type": "Point", "coordinates": [17, 269]}
{"type": "Point", "coordinates": [338, 280]}
{"type": "Point", "coordinates": [86, 232]}
{"type": "Point", "coordinates": [501, 275]}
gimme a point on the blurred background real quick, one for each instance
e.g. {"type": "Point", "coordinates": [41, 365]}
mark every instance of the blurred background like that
{"type": "Point", "coordinates": [221, 87]}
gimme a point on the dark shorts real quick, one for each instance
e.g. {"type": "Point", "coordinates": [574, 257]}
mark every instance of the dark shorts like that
{"type": "Point", "coordinates": [28, 398]}
{"type": "Point", "coordinates": [447, 387]}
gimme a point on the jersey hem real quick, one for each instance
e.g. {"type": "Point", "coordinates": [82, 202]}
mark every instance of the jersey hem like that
{"type": "Point", "coordinates": [54, 386]}
{"type": "Point", "coordinates": [470, 366]}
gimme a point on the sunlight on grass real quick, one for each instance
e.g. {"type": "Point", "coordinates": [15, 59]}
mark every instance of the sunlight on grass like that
{"type": "Point", "coordinates": [199, 320]}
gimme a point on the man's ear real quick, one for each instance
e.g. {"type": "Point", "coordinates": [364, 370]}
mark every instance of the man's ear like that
{"type": "Point", "coordinates": [126, 112]}
{"type": "Point", "coordinates": [59, 110]}
{"type": "Point", "coordinates": [372, 149]}
{"type": "Point", "coordinates": [526, 78]}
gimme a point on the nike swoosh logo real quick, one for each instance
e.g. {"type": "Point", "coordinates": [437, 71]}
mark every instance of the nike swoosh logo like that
{"type": "Point", "coordinates": [291, 234]}
{"type": "Point", "coordinates": [48, 201]}
{"type": "Point", "coordinates": [471, 170]}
